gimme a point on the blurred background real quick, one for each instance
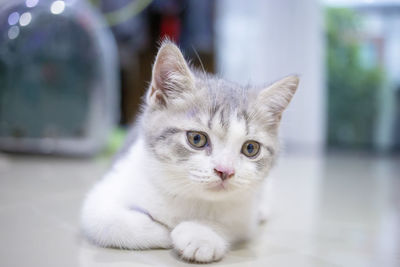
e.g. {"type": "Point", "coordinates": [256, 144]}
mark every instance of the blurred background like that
{"type": "Point", "coordinates": [72, 73]}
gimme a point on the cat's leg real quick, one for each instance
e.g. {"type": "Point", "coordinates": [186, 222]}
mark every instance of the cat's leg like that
{"type": "Point", "coordinates": [198, 242]}
{"type": "Point", "coordinates": [265, 201]}
{"type": "Point", "coordinates": [264, 215]}
{"type": "Point", "coordinates": [110, 224]}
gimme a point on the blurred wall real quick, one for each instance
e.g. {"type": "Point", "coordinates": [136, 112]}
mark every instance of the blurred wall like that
{"type": "Point", "coordinates": [261, 41]}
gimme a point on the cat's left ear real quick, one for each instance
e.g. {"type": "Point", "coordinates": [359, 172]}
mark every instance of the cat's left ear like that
{"type": "Point", "coordinates": [273, 100]}
{"type": "Point", "coordinates": [171, 78]}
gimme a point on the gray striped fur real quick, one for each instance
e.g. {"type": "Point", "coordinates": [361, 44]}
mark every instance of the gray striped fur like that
{"type": "Point", "coordinates": [195, 100]}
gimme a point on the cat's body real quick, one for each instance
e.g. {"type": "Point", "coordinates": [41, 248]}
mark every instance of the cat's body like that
{"type": "Point", "coordinates": [192, 178]}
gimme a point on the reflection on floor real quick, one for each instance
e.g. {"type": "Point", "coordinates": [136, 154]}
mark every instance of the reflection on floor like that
{"type": "Point", "coordinates": [336, 210]}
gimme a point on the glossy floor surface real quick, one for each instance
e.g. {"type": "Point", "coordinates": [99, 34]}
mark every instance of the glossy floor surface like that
{"type": "Point", "coordinates": [336, 210]}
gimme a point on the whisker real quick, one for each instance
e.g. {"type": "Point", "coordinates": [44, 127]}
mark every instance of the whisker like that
{"type": "Point", "coordinates": [198, 57]}
{"type": "Point", "coordinates": [201, 179]}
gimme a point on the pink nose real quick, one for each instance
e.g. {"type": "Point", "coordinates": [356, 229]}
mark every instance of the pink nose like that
{"type": "Point", "coordinates": [224, 173]}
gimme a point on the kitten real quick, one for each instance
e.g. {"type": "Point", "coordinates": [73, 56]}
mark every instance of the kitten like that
{"type": "Point", "coordinates": [191, 180]}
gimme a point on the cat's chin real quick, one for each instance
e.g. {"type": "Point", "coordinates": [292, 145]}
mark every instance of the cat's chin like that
{"type": "Point", "coordinates": [220, 187]}
{"type": "Point", "coordinates": [219, 190]}
{"type": "Point", "coordinates": [218, 194]}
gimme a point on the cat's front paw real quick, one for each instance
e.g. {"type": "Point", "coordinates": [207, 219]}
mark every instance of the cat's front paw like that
{"type": "Point", "coordinates": [199, 243]}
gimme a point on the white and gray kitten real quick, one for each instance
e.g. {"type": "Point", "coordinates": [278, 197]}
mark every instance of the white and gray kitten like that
{"type": "Point", "coordinates": [192, 178]}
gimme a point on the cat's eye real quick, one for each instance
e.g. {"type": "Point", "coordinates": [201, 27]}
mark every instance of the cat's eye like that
{"type": "Point", "coordinates": [250, 148]}
{"type": "Point", "coordinates": [197, 139]}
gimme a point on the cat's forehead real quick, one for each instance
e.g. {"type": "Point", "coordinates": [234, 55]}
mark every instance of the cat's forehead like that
{"type": "Point", "coordinates": [224, 122]}
{"type": "Point", "coordinates": [214, 91]}
{"type": "Point", "coordinates": [221, 105]}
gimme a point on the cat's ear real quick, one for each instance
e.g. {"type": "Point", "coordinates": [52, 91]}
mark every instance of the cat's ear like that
{"type": "Point", "coordinates": [274, 99]}
{"type": "Point", "coordinates": [171, 77]}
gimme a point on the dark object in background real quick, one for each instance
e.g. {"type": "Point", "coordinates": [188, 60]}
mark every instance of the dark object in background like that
{"type": "Point", "coordinates": [58, 78]}
{"type": "Point", "coordinates": [190, 23]}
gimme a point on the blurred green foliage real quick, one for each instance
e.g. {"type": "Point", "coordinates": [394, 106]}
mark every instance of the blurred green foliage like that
{"type": "Point", "coordinates": [114, 143]}
{"type": "Point", "coordinates": [353, 89]}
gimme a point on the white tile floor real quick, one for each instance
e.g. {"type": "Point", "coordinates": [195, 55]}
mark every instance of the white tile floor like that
{"type": "Point", "coordinates": [338, 210]}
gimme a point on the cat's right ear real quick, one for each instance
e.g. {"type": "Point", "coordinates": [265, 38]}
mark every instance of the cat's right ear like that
{"type": "Point", "coordinates": [273, 100]}
{"type": "Point", "coordinates": [171, 77]}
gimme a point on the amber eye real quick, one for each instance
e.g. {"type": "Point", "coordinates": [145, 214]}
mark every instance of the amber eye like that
{"type": "Point", "coordinates": [197, 139]}
{"type": "Point", "coordinates": [250, 148]}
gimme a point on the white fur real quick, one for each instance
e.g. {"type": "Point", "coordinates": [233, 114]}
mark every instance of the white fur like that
{"type": "Point", "coordinates": [202, 230]}
{"type": "Point", "coordinates": [197, 242]}
{"type": "Point", "coordinates": [154, 197]}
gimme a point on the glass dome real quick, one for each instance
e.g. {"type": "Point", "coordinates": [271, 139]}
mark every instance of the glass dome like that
{"type": "Point", "coordinates": [58, 77]}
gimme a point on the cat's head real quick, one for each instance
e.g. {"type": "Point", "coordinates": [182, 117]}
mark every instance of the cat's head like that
{"type": "Point", "coordinates": [210, 138]}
